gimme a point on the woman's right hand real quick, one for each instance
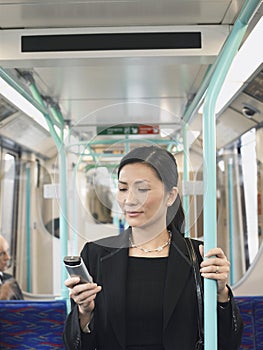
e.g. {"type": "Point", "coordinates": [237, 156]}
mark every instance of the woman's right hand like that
{"type": "Point", "coordinates": [83, 294]}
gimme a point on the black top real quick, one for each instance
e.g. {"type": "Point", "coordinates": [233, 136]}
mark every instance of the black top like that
{"type": "Point", "coordinates": [144, 309]}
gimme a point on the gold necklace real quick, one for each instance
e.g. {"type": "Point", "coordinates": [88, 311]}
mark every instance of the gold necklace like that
{"type": "Point", "coordinates": [158, 249]}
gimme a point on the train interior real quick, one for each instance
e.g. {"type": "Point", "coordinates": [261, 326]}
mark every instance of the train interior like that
{"type": "Point", "coordinates": [82, 83]}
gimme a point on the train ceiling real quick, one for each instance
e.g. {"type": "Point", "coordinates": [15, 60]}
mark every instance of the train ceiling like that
{"type": "Point", "coordinates": [108, 87]}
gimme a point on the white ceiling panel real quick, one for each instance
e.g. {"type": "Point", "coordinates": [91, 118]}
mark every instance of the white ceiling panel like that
{"type": "Point", "coordinates": [43, 14]}
{"type": "Point", "coordinates": [133, 111]}
{"type": "Point", "coordinates": [81, 85]}
{"type": "Point", "coordinates": [230, 126]}
{"type": "Point", "coordinates": [113, 87]}
{"type": "Point", "coordinates": [162, 80]}
{"type": "Point", "coordinates": [84, 90]}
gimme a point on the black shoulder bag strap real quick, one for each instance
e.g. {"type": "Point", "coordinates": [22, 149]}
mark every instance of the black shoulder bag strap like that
{"type": "Point", "coordinates": [199, 292]}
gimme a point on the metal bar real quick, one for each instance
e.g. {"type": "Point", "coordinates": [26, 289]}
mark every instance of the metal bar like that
{"type": "Point", "coordinates": [28, 229]}
{"type": "Point", "coordinates": [22, 92]}
{"type": "Point", "coordinates": [209, 130]}
{"type": "Point", "coordinates": [63, 208]}
{"type": "Point", "coordinates": [35, 93]}
{"type": "Point", "coordinates": [74, 211]}
{"type": "Point", "coordinates": [198, 99]}
{"type": "Point", "coordinates": [186, 178]}
{"type": "Point", "coordinates": [57, 116]}
{"type": "Point", "coordinates": [230, 216]}
{"type": "Point", "coordinates": [63, 217]}
{"type": "Point", "coordinates": [244, 16]}
{"type": "Point", "coordinates": [125, 140]}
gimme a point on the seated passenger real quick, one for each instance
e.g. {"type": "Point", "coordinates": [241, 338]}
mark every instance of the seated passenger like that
{"type": "Point", "coordinates": [9, 288]}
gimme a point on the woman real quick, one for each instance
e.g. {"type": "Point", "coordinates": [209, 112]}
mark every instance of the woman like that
{"type": "Point", "coordinates": [144, 295]}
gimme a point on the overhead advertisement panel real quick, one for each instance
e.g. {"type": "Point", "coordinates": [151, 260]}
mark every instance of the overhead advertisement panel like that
{"type": "Point", "coordinates": [111, 41]}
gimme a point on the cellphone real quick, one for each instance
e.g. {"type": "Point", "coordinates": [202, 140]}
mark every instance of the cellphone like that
{"type": "Point", "coordinates": [76, 267]}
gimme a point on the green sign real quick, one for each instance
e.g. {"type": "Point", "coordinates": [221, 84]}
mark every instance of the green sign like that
{"type": "Point", "coordinates": [128, 130]}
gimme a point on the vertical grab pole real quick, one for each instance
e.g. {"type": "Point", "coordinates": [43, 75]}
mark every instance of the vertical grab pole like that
{"type": "Point", "coordinates": [74, 211]}
{"type": "Point", "coordinates": [209, 129]}
{"type": "Point", "coordinates": [63, 208]}
{"type": "Point", "coordinates": [210, 236]}
{"type": "Point", "coordinates": [28, 229]}
{"type": "Point", "coordinates": [186, 179]}
{"type": "Point", "coordinates": [230, 215]}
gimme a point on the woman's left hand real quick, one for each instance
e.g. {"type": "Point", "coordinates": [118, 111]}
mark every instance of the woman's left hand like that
{"type": "Point", "coordinates": [216, 266]}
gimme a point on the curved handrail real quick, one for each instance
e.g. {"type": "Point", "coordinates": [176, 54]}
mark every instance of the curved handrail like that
{"type": "Point", "coordinates": [225, 59]}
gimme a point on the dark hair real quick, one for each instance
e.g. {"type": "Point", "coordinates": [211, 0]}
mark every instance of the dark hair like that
{"type": "Point", "coordinates": [164, 164]}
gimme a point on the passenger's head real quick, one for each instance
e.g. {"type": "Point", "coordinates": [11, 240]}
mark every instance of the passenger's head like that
{"type": "Point", "coordinates": [4, 254]}
{"type": "Point", "coordinates": [163, 164]}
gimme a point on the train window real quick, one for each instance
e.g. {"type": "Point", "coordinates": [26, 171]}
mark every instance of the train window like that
{"type": "Point", "coordinates": [8, 195]}
{"type": "Point", "coordinates": [99, 195]}
{"type": "Point", "coordinates": [249, 169]}
{"type": "Point", "coordinates": [239, 184]}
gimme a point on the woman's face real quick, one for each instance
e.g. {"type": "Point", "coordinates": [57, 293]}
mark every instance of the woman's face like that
{"type": "Point", "coordinates": [141, 195]}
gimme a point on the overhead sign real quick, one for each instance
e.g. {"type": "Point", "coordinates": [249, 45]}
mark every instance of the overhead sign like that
{"type": "Point", "coordinates": [129, 130]}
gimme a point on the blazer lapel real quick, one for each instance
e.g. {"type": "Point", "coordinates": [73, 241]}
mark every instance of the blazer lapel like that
{"type": "Point", "coordinates": [178, 271]}
{"type": "Point", "coordinates": [114, 275]}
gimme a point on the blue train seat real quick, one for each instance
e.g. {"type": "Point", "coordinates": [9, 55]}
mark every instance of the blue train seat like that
{"type": "Point", "coordinates": [251, 309]}
{"type": "Point", "coordinates": [39, 324]}
{"type": "Point", "coordinates": [32, 324]}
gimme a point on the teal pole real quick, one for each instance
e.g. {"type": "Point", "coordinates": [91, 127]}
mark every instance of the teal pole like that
{"type": "Point", "coordinates": [127, 144]}
{"type": "Point", "coordinates": [230, 215]}
{"type": "Point", "coordinates": [186, 179]}
{"type": "Point", "coordinates": [63, 217]}
{"type": "Point", "coordinates": [210, 235]}
{"type": "Point", "coordinates": [209, 130]}
{"type": "Point", "coordinates": [74, 202]}
{"type": "Point", "coordinates": [37, 101]}
{"type": "Point", "coordinates": [58, 118]}
{"type": "Point", "coordinates": [63, 200]}
{"type": "Point", "coordinates": [196, 102]}
{"type": "Point", "coordinates": [4, 75]}
{"type": "Point", "coordinates": [74, 211]}
{"type": "Point", "coordinates": [28, 229]}
{"type": "Point", "coordinates": [244, 16]}
{"type": "Point", "coordinates": [36, 95]}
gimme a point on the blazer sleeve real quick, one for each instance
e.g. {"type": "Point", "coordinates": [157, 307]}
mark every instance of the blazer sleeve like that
{"type": "Point", "coordinates": [230, 324]}
{"type": "Point", "coordinates": [73, 337]}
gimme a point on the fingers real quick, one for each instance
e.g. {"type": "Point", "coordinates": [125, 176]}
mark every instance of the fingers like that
{"type": "Point", "coordinates": [83, 294]}
{"type": "Point", "coordinates": [72, 281]}
{"type": "Point", "coordinates": [216, 265]}
{"type": "Point", "coordinates": [215, 272]}
{"type": "Point", "coordinates": [218, 252]}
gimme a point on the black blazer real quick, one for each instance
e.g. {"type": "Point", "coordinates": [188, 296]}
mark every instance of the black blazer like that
{"type": "Point", "coordinates": [16, 290]}
{"type": "Point", "coordinates": [107, 261]}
